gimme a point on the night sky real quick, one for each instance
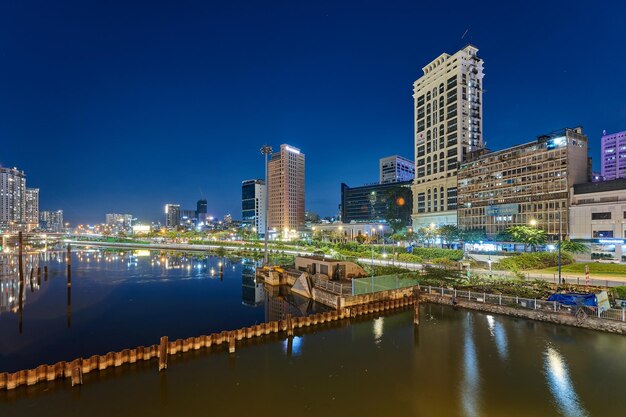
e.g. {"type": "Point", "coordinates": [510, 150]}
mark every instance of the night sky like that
{"type": "Point", "coordinates": [125, 106]}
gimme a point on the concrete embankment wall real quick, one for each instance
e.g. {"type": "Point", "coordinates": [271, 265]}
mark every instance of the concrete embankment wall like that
{"type": "Point", "coordinates": [592, 323]}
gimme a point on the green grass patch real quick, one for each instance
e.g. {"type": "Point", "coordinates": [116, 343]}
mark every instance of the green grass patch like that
{"type": "Point", "coordinates": [594, 268]}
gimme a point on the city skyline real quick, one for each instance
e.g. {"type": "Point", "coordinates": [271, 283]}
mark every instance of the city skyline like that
{"type": "Point", "coordinates": [131, 122]}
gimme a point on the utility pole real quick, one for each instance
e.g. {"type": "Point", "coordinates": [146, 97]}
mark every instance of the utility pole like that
{"type": "Point", "coordinates": [266, 150]}
{"type": "Point", "coordinates": [560, 232]}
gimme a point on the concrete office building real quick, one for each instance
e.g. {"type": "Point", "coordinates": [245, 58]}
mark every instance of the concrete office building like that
{"type": "Point", "coordinates": [448, 127]}
{"type": "Point", "coordinates": [31, 211]}
{"type": "Point", "coordinates": [253, 205]}
{"type": "Point", "coordinates": [369, 203]}
{"type": "Point", "coordinates": [202, 207]}
{"type": "Point", "coordinates": [12, 199]}
{"type": "Point", "coordinates": [523, 184]}
{"type": "Point", "coordinates": [286, 190]}
{"type": "Point", "coordinates": [613, 157]}
{"type": "Point", "coordinates": [172, 215]}
{"type": "Point", "coordinates": [396, 169]}
{"type": "Point", "coordinates": [598, 217]}
{"type": "Point", "coordinates": [51, 221]}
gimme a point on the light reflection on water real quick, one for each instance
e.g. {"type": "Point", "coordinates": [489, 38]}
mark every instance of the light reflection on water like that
{"type": "Point", "coordinates": [496, 329]}
{"type": "Point", "coordinates": [471, 376]}
{"type": "Point", "coordinates": [377, 328]}
{"type": "Point", "coordinates": [560, 384]}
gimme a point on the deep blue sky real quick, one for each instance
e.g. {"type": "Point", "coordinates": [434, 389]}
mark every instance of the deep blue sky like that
{"type": "Point", "coordinates": [124, 107]}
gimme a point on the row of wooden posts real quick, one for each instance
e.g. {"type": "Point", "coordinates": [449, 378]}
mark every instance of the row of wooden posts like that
{"type": "Point", "coordinates": [74, 370]}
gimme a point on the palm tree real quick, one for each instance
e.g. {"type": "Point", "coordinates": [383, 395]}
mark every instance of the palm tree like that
{"type": "Point", "coordinates": [529, 236]}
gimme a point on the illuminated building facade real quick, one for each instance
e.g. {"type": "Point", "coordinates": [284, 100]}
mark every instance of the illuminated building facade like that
{"type": "Point", "coordinates": [172, 215]}
{"type": "Point", "coordinates": [12, 198]}
{"type": "Point", "coordinates": [253, 204]}
{"type": "Point", "coordinates": [524, 184]}
{"type": "Point", "coordinates": [448, 127]}
{"type": "Point", "coordinates": [31, 211]}
{"type": "Point", "coordinates": [613, 157]}
{"type": "Point", "coordinates": [396, 169]}
{"type": "Point", "coordinates": [119, 222]}
{"type": "Point", "coordinates": [286, 190]}
{"type": "Point", "coordinates": [369, 203]}
{"type": "Point", "coordinates": [51, 221]}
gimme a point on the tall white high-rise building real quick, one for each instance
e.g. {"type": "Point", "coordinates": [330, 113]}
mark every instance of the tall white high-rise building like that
{"type": "Point", "coordinates": [253, 204]}
{"type": "Point", "coordinates": [31, 211]}
{"type": "Point", "coordinates": [613, 157]}
{"type": "Point", "coordinates": [448, 126]}
{"type": "Point", "coordinates": [286, 190]}
{"type": "Point", "coordinates": [119, 222]}
{"type": "Point", "coordinates": [12, 198]}
{"type": "Point", "coordinates": [396, 169]}
{"type": "Point", "coordinates": [52, 221]}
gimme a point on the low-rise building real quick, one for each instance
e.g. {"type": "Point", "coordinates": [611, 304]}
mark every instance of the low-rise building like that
{"type": "Point", "coordinates": [396, 169]}
{"type": "Point", "coordinates": [370, 203]}
{"type": "Point", "coordinates": [349, 231]}
{"type": "Point", "coordinates": [598, 217]}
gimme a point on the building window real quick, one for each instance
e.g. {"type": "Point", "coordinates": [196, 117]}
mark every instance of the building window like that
{"type": "Point", "coordinates": [602, 233]}
{"type": "Point", "coordinates": [601, 216]}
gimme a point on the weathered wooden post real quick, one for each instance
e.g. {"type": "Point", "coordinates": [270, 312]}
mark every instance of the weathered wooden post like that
{"type": "Point", "coordinates": [45, 273]}
{"type": "Point", "coordinates": [77, 372]}
{"type": "Point", "coordinates": [69, 306]}
{"type": "Point", "coordinates": [39, 275]}
{"type": "Point", "coordinates": [416, 307]}
{"type": "Point", "coordinates": [163, 345]}
{"type": "Point", "coordinates": [231, 342]}
{"type": "Point", "coordinates": [20, 261]}
{"type": "Point", "coordinates": [289, 326]}
{"type": "Point", "coordinates": [32, 281]}
{"type": "Point", "coordinates": [69, 265]}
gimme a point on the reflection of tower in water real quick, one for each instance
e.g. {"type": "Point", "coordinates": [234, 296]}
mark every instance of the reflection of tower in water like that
{"type": "Point", "coordinates": [280, 302]}
{"type": "Point", "coordinates": [252, 292]}
{"type": "Point", "coordinates": [10, 279]}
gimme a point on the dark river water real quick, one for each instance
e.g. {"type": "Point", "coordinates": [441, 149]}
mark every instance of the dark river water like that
{"type": "Point", "coordinates": [457, 363]}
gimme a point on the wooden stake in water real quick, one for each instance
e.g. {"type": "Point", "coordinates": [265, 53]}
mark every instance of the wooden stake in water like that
{"type": "Point", "coordinates": [231, 343]}
{"type": "Point", "coordinates": [163, 345]}
{"type": "Point", "coordinates": [69, 265]}
{"type": "Point", "coordinates": [416, 307]}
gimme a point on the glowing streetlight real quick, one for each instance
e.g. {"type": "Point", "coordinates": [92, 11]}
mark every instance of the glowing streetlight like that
{"type": "Point", "coordinates": [533, 222]}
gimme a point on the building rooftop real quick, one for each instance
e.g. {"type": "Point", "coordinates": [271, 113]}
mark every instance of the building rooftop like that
{"type": "Point", "coordinates": [600, 186]}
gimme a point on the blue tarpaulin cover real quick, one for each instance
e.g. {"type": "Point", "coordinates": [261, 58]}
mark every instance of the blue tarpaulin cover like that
{"type": "Point", "coordinates": [575, 299]}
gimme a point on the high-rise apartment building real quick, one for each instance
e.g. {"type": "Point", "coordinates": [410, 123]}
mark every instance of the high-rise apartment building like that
{"type": "Point", "coordinates": [31, 211]}
{"type": "Point", "coordinates": [613, 155]}
{"type": "Point", "coordinates": [51, 221]}
{"type": "Point", "coordinates": [12, 198]}
{"type": "Point", "coordinates": [120, 222]}
{"type": "Point", "coordinates": [172, 215]}
{"type": "Point", "coordinates": [396, 169]}
{"type": "Point", "coordinates": [448, 126]}
{"type": "Point", "coordinates": [527, 184]}
{"type": "Point", "coordinates": [286, 190]}
{"type": "Point", "coordinates": [253, 204]}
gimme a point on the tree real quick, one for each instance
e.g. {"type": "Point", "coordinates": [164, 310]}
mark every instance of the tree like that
{"type": "Point", "coordinates": [473, 235]}
{"type": "Point", "coordinates": [399, 207]}
{"type": "Point", "coordinates": [573, 247]}
{"type": "Point", "coordinates": [529, 236]}
{"type": "Point", "coordinates": [448, 233]}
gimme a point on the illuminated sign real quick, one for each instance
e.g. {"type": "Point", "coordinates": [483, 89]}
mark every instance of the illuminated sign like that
{"type": "Point", "coordinates": [556, 143]}
{"type": "Point", "coordinates": [611, 241]}
{"type": "Point", "coordinates": [290, 149]}
{"type": "Point", "coordinates": [502, 210]}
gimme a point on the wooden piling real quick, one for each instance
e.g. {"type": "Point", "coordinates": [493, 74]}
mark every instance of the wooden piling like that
{"type": "Point", "coordinates": [32, 280]}
{"type": "Point", "coordinates": [163, 353]}
{"type": "Point", "coordinates": [77, 372]}
{"type": "Point", "coordinates": [231, 343]}
{"type": "Point", "coordinates": [45, 273]}
{"type": "Point", "coordinates": [416, 308]}
{"type": "Point", "coordinates": [289, 325]}
{"type": "Point", "coordinates": [69, 265]}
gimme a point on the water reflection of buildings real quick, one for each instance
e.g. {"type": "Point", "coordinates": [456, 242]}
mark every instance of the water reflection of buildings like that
{"type": "Point", "coordinates": [280, 302]}
{"type": "Point", "coordinates": [471, 375]}
{"type": "Point", "coordinates": [560, 384]}
{"type": "Point", "coordinates": [252, 292]}
{"type": "Point", "coordinates": [10, 280]}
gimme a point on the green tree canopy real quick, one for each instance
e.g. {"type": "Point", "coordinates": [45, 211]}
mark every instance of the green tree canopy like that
{"type": "Point", "coordinates": [529, 236]}
{"type": "Point", "coordinates": [449, 233]}
{"type": "Point", "coordinates": [399, 207]}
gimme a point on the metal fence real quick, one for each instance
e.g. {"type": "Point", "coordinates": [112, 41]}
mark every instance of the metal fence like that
{"type": "Point", "coordinates": [617, 314]}
{"type": "Point", "coordinates": [551, 278]}
{"type": "Point", "coordinates": [383, 283]}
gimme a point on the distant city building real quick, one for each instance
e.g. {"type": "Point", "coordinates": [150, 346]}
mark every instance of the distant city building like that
{"type": "Point", "coordinates": [31, 213]}
{"type": "Point", "coordinates": [521, 185]}
{"type": "Point", "coordinates": [12, 199]}
{"type": "Point", "coordinates": [613, 155]}
{"type": "Point", "coordinates": [448, 126]}
{"type": "Point", "coordinates": [396, 169]}
{"type": "Point", "coordinates": [370, 203]}
{"type": "Point", "coordinates": [51, 221]}
{"type": "Point", "coordinates": [202, 207]}
{"type": "Point", "coordinates": [253, 204]}
{"type": "Point", "coordinates": [286, 190]}
{"type": "Point", "coordinates": [119, 222]}
{"type": "Point", "coordinates": [598, 217]}
{"type": "Point", "coordinates": [172, 215]}
{"type": "Point", "coordinates": [139, 229]}
{"type": "Point", "coordinates": [349, 231]}
{"type": "Point", "coordinates": [596, 177]}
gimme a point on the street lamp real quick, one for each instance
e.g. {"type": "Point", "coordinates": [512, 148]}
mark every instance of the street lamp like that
{"type": "Point", "coordinates": [533, 223]}
{"type": "Point", "coordinates": [266, 150]}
